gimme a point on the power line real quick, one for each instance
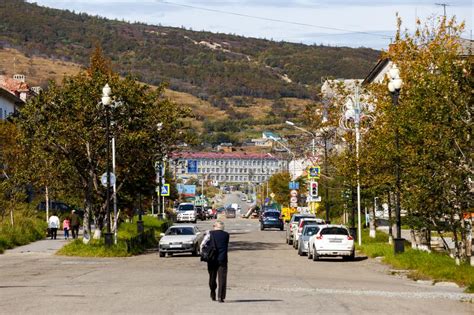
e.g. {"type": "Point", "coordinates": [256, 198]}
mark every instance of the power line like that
{"type": "Point", "coordinates": [273, 20]}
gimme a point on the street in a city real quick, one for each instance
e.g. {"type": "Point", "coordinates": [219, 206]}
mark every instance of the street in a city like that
{"type": "Point", "coordinates": [265, 276]}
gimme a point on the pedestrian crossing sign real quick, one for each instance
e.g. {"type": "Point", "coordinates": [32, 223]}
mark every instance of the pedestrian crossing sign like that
{"type": "Point", "coordinates": [165, 190]}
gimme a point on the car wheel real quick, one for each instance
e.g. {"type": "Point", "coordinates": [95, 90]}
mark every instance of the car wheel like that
{"type": "Point", "coordinates": [281, 228]}
{"type": "Point", "coordinates": [315, 255]}
{"type": "Point", "coordinates": [352, 256]}
{"type": "Point", "coordinates": [170, 254]}
{"type": "Point", "coordinates": [262, 228]}
{"type": "Point", "coordinates": [195, 251]}
{"type": "Point", "coordinates": [290, 242]}
{"type": "Point", "coordinates": [194, 221]}
{"type": "Point", "coordinates": [162, 254]}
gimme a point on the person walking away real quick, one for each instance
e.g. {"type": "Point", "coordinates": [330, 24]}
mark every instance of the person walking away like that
{"type": "Point", "coordinates": [66, 227]}
{"type": "Point", "coordinates": [74, 224]}
{"type": "Point", "coordinates": [218, 267]}
{"type": "Point", "coordinates": [53, 224]}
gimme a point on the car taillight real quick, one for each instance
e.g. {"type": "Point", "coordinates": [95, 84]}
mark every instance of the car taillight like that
{"type": "Point", "coordinates": [349, 238]}
{"type": "Point", "coordinates": [319, 237]}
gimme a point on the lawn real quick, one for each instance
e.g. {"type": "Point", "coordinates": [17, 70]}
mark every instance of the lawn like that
{"type": "Point", "coordinates": [422, 265]}
{"type": "Point", "coordinates": [124, 247]}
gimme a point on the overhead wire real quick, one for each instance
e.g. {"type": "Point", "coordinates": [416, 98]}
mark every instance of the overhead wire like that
{"type": "Point", "coordinates": [275, 20]}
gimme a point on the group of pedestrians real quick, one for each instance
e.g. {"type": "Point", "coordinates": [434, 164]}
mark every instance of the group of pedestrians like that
{"type": "Point", "coordinates": [70, 223]}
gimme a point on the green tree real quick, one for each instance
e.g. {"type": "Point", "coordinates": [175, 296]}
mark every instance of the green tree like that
{"type": "Point", "coordinates": [65, 126]}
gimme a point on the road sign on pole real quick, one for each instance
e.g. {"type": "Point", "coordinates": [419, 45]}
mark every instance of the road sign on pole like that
{"type": "Point", "coordinates": [313, 172]}
{"type": "Point", "coordinates": [103, 179]}
{"type": "Point", "coordinates": [165, 190]}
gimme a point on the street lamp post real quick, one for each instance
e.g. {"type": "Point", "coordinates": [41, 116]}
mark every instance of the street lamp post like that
{"type": "Point", "coordinates": [394, 86]}
{"type": "Point", "coordinates": [106, 101]}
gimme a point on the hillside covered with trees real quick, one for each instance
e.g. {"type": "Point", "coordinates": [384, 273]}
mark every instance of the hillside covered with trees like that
{"type": "Point", "coordinates": [209, 66]}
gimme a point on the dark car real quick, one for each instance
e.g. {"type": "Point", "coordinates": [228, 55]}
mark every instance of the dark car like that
{"type": "Point", "coordinates": [271, 219]}
{"type": "Point", "coordinates": [201, 214]}
{"type": "Point", "coordinates": [230, 213]}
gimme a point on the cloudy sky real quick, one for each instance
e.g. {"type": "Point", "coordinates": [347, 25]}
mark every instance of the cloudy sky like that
{"type": "Point", "coordinates": [353, 23]}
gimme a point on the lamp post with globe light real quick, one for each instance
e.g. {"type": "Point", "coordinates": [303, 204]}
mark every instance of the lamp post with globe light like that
{"type": "Point", "coordinates": [106, 102]}
{"type": "Point", "coordinates": [394, 87]}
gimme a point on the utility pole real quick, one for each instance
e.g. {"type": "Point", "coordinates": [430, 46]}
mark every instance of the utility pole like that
{"type": "Point", "coordinates": [444, 5]}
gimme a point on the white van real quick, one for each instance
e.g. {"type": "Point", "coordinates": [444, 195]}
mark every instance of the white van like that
{"type": "Point", "coordinates": [186, 213]}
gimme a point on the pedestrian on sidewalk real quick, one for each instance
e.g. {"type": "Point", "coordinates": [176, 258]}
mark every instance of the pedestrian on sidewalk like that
{"type": "Point", "coordinates": [53, 224]}
{"type": "Point", "coordinates": [66, 227]}
{"type": "Point", "coordinates": [217, 268]}
{"type": "Point", "coordinates": [75, 222]}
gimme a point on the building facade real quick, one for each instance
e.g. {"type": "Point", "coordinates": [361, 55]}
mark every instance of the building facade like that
{"type": "Point", "coordinates": [233, 167]}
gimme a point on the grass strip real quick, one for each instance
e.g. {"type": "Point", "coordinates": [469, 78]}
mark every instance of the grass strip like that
{"type": "Point", "coordinates": [422, 265]}
{"type": "Point", "coordinates": [127, 231]}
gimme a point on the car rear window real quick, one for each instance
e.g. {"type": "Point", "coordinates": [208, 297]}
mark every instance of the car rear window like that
{"type": "Point", "coordinates": [298, 218]}
{"type": "Point", "coordinates": [334, 231]}
{"type": "Point", "coordinates": [185, 207]}
{"type": "Point", "coordinates": [271, 214]}
{"type": "Point", "coordinates": [311, 230]}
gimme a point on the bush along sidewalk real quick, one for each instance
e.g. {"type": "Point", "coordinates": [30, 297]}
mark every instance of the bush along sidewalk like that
{"type": "Point", "coordinates": [24, 231]}
{"type": "Point", "coordinates": [421, 265]}
{"type": "Point", "coordinates": [129, 241]}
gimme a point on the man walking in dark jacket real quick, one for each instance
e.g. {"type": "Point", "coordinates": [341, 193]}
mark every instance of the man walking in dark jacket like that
{"type": "Point", "coordinates": [75, 222]}
{"type": "Point", "coordinates": [218, 268]}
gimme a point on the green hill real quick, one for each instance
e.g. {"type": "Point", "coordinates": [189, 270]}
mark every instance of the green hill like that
{"type": "Point", "coordinates": [201, 63]}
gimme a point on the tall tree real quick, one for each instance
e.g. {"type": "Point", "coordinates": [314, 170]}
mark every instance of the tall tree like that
{"type": "Point", "coordinates": [66, 126]}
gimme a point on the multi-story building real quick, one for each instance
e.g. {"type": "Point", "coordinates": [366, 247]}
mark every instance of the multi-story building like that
{"type": "Point", "coordinates": [233, 167]}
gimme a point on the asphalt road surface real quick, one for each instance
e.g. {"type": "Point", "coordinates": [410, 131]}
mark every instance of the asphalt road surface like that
{"type": "Point", "coordinates": [266, 276]}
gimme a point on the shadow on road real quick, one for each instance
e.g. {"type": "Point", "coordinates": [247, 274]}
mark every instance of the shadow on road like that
{"type": "Point", "coordinates": [243, 245]}
{"type": "Point", "coordinates": [254, 300]}
{"type": "Point", "coordinates": [357, 258]}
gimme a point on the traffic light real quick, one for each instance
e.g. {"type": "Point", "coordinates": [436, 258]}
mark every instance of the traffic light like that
{"type": "Point", "coordinates": [313, 189]}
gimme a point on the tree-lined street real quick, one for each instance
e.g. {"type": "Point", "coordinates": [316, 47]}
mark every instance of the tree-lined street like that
{"type": "Point", "coordinates": [265, 276]}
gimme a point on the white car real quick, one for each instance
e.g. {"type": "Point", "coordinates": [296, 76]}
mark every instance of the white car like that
{"type": "Point", "coordinates": [331, 240]}
{"type": "Point", "coordinates": [299, 228]}
{"type": "Point", "coordinates": [186, 213]}
{"type": "Point", "coordinates": [181, 239]}
{"type": "Point", "coordinates": [293, 226]}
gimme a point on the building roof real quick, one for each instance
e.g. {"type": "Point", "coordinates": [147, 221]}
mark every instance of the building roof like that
{"type": "Point", "coordinates": [11, 97]}
{"type": "Point", "coordinates": [223, 155]}
{"type": "Point", "coordinates": [12, 85]}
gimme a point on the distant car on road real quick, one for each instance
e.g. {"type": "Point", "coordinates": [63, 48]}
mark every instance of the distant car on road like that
{"type": "Point", "coordinates": [186, 213]}
{"type": "Point", "coordinates": [299, 229]}
{"type": "Point", "coordinates": [271, 219]}
{"type": "Point", "coordinates": [333, 241]}
{"type": "Point", "coordinates": [308, 231]}
{"type": "Point", "coordinates": [200, 213]}
{"type": "Point", "coordinates": [230, 213]}
{"type": "Point", "coordinates": [293, 224]}
{"type": "Point", "coordinates": [181, 239]}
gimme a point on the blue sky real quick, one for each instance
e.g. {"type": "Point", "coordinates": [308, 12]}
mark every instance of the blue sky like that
{"type": "Point", "coordinates": [329, 22]}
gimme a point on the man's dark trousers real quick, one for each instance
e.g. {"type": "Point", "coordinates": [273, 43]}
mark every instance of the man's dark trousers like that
{"type": "Point", "coordinates": [217, 270]}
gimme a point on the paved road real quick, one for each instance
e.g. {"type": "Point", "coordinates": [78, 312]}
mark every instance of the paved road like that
{"type": "Point", "coordinates": [265, 276]}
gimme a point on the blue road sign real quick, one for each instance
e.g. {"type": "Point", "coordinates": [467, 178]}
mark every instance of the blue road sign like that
{"type": "Point", "coordinates": [294, 185]}
{"type": "Point", "coordinates": [165, 190]}
{"type": "Point", "coordinates": [192, 166]}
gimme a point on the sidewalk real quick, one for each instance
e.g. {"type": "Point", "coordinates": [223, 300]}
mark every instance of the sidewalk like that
{"type": "Point", "coordinates": [45, 246]}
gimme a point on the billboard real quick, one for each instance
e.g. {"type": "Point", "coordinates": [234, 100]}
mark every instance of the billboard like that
{"type": "Point", "coordinates": [187, 190]}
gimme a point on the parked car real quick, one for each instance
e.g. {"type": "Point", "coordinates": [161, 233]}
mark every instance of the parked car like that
{"type": "Point", "coordinates": [295, 220]}
{"type": "Point", "coordinates": [200, 213]}
{"type": "Point", "coordinates": [331, 240]}
{"type": "Point", "coordinates": [186, 213]}
{"type": "Point", "coordinates": [271, 219]}
{"type": "Point", "coordinates": [181, 239]}
{"type": "Point", "coordinates": [230, 213]}
{"type": "Point", "coordinates": [308, 231]}
{"type": "Point", "coordinates": [301, 225]}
